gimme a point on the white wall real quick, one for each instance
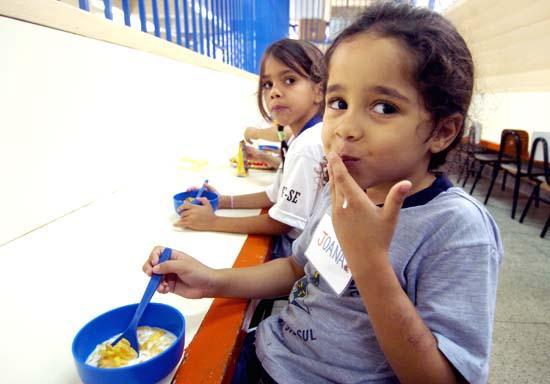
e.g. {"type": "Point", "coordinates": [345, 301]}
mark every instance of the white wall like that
{"type": "Point", "coordinates": [80, 118]}
{"type": "Point", "coordinates": [508, 40]}
{"type": "Point", "coordinates": [511, 110]}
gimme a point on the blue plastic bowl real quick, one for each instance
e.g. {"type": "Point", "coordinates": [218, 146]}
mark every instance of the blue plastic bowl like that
{"type": "Point", "coordinates": [115, 321]}
{"type": "Point", "coordinates": [180, 198]}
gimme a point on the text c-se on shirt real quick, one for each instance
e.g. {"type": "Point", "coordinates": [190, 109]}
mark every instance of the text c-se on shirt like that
{"type": "Point", "coordinates": [290, 195]}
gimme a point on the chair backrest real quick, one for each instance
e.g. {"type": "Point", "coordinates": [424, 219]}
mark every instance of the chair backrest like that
{"type": "Point", "coordinates": [543, 143]}
{"type": "Point", "coordinates": [474, 133]}
{"type": "Point", "coordinates": [509, 139]}
{"type": "Point", "coordinates": [471, 137]}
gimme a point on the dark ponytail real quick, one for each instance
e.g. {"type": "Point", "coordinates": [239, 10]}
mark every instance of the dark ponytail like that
{"type": "Point", "coordinates": [284, 144]}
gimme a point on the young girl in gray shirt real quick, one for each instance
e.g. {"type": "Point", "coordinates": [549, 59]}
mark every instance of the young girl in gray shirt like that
{"type": "Point", "coordinates": [394, 277]}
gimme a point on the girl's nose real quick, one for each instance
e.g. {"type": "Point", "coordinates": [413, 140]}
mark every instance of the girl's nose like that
{"type": "Point", "coordinates": [349, 129]}
{"type": "Point", "coordinates": [274, 92]}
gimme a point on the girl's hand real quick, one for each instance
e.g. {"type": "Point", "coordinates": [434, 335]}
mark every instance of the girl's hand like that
{"type": "Point", "coordinates": [250, 133]}
{"type": "Point", "coordinates": [197, 217]}
{"type": "Point", "coordinates": [264, 156]}
{"type": "Point", "coordinates": [182, 274]}
{"type": "Point", "coordinates": [254, 154]}
{"type": "Point", "coordinates": [363, 230]}
{"type": "Point", "coordinates": [209, 188]}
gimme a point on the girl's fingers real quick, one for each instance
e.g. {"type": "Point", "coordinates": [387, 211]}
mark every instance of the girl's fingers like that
{"type": "Point", "coordinates": [185, 213]}
{"type": "Point", "coordinates": [344, 184]}
{"type": "Point", "coordinates": [155, 255]}
{"type": "Point", "coordinates": [170, 266]}
{"type": "Point", "coordinates": [152, 260]}
{"type": "Point", "coordinates": [184, 207]}
{"type": "Point", "coordinates": [394, 199]}
{"type": "Point", "coordinates": [171, 285]}
{"type": "Point", "coordinates": [205, 202]}
{"type": "Point", "coordinates": [147, 268]}
{"type": "Point", "coordinates": [168, 283]}
{"type": "Point", "coordinates": [211, 189]}
{"type": "Point", "coordinates": [335, 196]}
{"type": "Point", "coordinates": [163, 287]}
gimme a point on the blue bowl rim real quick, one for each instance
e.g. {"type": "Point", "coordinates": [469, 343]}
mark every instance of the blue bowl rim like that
{"type": "Point", "coordinates": [147, 362]}
{"type": "Point", "coordinates": [177, 195]}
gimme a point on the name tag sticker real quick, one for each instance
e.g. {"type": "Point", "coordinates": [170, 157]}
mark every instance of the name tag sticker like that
{"type": "Point", "coordinates": [325, 254]}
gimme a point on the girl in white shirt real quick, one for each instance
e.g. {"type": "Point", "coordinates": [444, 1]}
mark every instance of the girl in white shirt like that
{"type": "Point", "coordinates": [290, 92]}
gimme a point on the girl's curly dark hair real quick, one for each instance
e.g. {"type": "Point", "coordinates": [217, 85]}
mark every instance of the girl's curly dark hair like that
{"type": "Point", "coordinates": [443, 70]}
{"type": "Point", "coordinates": [322, 172]}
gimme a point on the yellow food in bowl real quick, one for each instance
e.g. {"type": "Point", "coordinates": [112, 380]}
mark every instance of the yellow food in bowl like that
{"type": "Point", "coordinates": [117, 356]}
{"type": "Point", "coordinates": [152, 341]}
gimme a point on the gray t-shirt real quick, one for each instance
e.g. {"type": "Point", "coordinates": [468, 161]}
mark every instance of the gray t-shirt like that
{"type": "Point", "coordinates": [446, 255]}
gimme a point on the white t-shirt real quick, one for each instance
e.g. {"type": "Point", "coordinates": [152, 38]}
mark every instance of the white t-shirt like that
{"type": "Point", "coordinates": [296, 189]}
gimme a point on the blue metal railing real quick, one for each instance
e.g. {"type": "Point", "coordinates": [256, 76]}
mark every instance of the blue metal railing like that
{"type": "Point", "coordinates": [233, 31]}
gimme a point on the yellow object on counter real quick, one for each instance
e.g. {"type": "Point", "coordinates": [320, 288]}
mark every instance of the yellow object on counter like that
{"type": "Point", "coordinates": [242, 163]}
{"type": "Point", "coordinates": [191, 164]}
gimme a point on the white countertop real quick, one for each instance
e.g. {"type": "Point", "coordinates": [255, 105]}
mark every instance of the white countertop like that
{"type": "Point", "coordinates": [60, 276]}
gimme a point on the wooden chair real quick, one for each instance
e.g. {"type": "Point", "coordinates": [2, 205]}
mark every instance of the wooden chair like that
{"type": "Point", "coordinates": [465, 152]}
{"type": "Point", "coordinates": [541, 182]}
{"type": "Point", "coordinates": [480, 160]}
{"type": "Point", "coordinates": [512, 148]}
{"type": "Point", "coordinates": [518, 169]}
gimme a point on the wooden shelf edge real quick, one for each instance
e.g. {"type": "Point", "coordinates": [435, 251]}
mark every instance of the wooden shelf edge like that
{"type": "Point", "coordinates": [212, 354]}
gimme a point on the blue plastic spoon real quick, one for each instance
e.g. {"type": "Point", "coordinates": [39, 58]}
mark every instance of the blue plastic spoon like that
{"type": "Point", "coordinates": [199, 193]}
{"type": "Point", "coordinates": [130, 333]}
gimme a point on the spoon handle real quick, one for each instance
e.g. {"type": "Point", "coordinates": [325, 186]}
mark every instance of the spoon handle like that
{"type": "Point", "coordinates": [200, 192]}
{"type": "Point", "coordinates": [151, 288]}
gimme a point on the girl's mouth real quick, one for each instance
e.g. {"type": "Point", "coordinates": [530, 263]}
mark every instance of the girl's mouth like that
{"type": "Point", "coordinates": [278, 108]}
{"type": "Point", "coordinates": [351, 163]}
{"type": "Point", "coordinates": [348, 159]}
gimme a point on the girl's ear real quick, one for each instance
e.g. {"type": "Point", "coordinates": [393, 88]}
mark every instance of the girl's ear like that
{"type": "Point", "coordinates": [446, 132]}
{"type": "Point", "coordinates": [319, 94]}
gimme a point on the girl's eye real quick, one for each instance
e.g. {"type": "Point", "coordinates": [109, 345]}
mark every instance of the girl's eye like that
{"type": "Point", "coordinates": [267, 85]}
{"type": "Point", "coordinates": [384, 108]}
{"type": "Point", "coordinates": [290, 80]}
{"type": "Point", "coordinates": [337, 104]}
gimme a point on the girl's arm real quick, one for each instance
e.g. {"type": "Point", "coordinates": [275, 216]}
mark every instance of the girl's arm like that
{"type": "Point", "coordinates": [201, 218]}
{"type": "Point", "coordinates": [252, 201]}
{"type": "Point", "coordinates": [272, 279]}
{"type": "Point", "coordinates": [189, 278]}
{"type": "Point", "coordinates": [271, 158]}
{"type": "Point", "coordinates": [270, 133]}
{"type": "Point", "coordinates": [407, 342]}
{"type": "Point", "coordinates": [364, 232]}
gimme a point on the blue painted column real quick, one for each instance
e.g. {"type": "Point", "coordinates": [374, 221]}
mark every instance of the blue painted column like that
{"type": "Point", "coordinates": [271, 23]}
